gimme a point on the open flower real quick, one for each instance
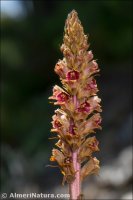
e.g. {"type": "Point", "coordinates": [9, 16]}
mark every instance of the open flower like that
{"type": "Point", "coordinates": [61, 122]}
{"type": "Point", "coordinates": [88, 89]}
{"type": "Point", "coordinates": [72, 75]}
{"type": "Point", "coordinates": [84, 107]}
{"type": "Point", "coordinates": [59, 95]}
{"type": "Point", "coordinates": [62, 97]}
{"type": "Point", "coordinates": [56, 123]}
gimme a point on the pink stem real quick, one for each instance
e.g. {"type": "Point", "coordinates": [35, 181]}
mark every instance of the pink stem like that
{"type": "Point", "coordinates": [75, 186]}
{"type": "Point", "coordinates": [75, 101]}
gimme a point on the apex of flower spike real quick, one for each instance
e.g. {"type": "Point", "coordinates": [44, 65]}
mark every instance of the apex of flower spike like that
{"type": "Point", "coordinates": [75, 41]}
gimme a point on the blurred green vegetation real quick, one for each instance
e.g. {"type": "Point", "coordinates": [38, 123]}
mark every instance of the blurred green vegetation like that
{"type": "Point", "coordinates": [29, 51]}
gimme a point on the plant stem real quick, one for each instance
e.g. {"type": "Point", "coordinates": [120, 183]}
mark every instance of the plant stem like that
{"type": "Point", "coordinates": [75, 186]}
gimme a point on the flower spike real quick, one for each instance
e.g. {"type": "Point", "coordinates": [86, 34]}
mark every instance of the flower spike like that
{"type": "Point", "coordinates": [79, 112]}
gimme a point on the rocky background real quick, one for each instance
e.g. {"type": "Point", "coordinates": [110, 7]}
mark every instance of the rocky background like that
{"type": "Point", "coordinates": [29, 50]}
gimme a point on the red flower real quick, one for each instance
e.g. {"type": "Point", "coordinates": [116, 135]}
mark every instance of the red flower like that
{"type": "Point", "coordinates": [62, 97]}
{"type": "Point", "coordinates": [56, 124]}
{"type": "Point", "coordinates": [59, 94]}
{"type": "Point", "coordinates": [84, 107]}
{"type": "Point", "coordinates": [72, 75]}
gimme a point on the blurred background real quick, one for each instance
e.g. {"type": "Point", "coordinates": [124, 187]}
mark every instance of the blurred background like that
{"type": "Point", "coordinates": [31, 35]}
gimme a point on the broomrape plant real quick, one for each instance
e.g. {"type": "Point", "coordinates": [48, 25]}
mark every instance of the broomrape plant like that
{"type": "Point", "coordinates": [78, 115]}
